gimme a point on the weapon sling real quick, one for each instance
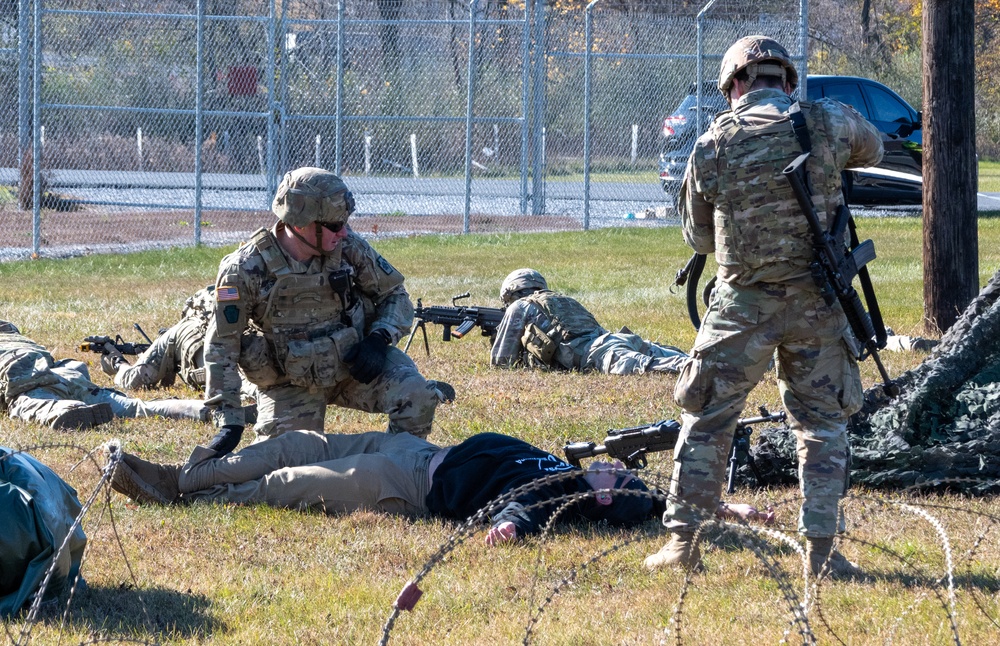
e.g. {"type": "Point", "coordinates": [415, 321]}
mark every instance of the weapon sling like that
{"type": "Point", "coordinates": [829, 270]}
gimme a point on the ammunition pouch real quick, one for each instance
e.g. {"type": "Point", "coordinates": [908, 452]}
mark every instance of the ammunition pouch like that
{"type": "Point", "coordinates": [315, 360]}
{"type": "Point", "coordinates": [539, 344]}
{"type": "Point", "coordinates": [257, 361]}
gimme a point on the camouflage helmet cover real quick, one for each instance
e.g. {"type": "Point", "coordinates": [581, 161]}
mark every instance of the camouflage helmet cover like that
{"type": "Point", "coordinates": [309, 194]}
{"type": "Point", "coordinates": [520, 280]}
{"type": "Point", "coordinates": [753, 53]}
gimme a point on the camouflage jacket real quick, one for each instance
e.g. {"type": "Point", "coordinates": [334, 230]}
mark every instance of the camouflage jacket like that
{"type": "Point", "coordinates": [734, 200]}
{"type": "Point", "coordinates": [24, 365]}
{"type": "Point", "coordinates": [546, 329]}
{"type": "Point", "coordinates": [249, 297]}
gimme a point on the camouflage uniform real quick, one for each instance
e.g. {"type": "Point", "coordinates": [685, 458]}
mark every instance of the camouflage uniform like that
{"type": "Point", "coordinates": [177, 352]}
{"type": "Point", "coordinates": [734, 202]}
{"type": "Point", "coordinates": [35, 387]}
{"type": "Point", "coordinates": [555, 331]}
{"type": "Point", "coordinates": [288, 324]}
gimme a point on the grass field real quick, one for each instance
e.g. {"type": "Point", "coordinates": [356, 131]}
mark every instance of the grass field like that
{"type": "Point", "coordinates": [255, 575]}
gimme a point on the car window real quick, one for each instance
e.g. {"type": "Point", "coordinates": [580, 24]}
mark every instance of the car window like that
{"type": "Point", "coordinates": [849, 93]}
{"type": "Point", "coordinates": [886, 107]}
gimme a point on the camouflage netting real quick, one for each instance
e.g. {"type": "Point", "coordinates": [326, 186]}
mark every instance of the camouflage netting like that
{"type": "Point", "coordinates": [945, 423]}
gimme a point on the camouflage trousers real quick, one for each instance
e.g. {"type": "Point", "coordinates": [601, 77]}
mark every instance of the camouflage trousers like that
{"type": "Point", "coordinates": [400, 391]}
{"type": "Point", "coordinates": [306, 470]}
{"type": "Point", "coordinates": [820, 387]}
{"type": "Point", "coordinates": [630, 354]}
{"type": "Point", "coordinates": [74, 389]}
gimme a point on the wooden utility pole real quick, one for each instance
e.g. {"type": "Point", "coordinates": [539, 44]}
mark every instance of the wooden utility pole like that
{"type": "Point", "coordinates": [951, 235]}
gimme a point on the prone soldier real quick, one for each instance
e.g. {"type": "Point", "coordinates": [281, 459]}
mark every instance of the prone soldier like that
{"type": "Point", "coordinates": [178, 352]}
{"type": "Point", "coordinates": [34, 387]}
{"type": "Point", "coordinates": [544, 328]}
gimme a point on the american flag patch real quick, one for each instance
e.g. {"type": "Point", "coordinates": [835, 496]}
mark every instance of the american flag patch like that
{"type": "Point", "coordinates": [227, 294]}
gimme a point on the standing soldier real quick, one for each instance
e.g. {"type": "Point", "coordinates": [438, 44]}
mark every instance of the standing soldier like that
{"type": "Point", "coordinates": [311, 313]}
{"type": "Point", "coordinates": [544, 328]}
{"type": "Point", "coordinates": [735, 202]}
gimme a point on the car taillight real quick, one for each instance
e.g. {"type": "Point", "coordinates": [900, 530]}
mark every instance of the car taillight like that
{"type": "Point", "coordinates": [671, 123]}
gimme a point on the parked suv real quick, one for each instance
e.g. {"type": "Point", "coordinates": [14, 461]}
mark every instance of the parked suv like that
{"type": "Point", "coordinates": [896, 180]}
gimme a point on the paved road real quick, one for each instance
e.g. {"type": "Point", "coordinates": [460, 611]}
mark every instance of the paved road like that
{"type": "Point", "coordinates": [415, 196]}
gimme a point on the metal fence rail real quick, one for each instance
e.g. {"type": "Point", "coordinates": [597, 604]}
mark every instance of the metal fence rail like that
{"type": "Point", "coordinates": [133, 127]}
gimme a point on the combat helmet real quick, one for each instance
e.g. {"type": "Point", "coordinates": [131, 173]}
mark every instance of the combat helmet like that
{"type": "Point", "coordinates": [759, 56]}
{"type": "Point", "coordinates": [518, 281]}
{"type": "Point", "coordinates": [307, 195]}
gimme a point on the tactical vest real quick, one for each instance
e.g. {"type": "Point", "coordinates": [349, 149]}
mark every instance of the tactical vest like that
{"type": "Point", "coordinates": [24, 365]}
{"type": "Point", "coordinates": [188, 351]}
{"type": "Point", "coordinates": [189, 338]}
{"type": "Point", "coordinates": [309, 320]}
{"type": "Point", "coordinates": [758, 221]}
{"type": "Point", "coordinates": [570, 320]}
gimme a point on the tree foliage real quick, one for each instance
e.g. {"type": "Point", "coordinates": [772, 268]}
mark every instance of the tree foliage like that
{"type": "Point", "coordinates": [881, 39]}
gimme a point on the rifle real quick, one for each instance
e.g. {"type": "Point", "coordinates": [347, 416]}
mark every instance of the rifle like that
{"type": "Point", "coordinates": [457, 320]}
{"type": "Point", "coordinates": [630, 445]}
{"type": "Point", "coordinates": [92, 344]}
{"type": "Point", "coordinates": [833, 270]}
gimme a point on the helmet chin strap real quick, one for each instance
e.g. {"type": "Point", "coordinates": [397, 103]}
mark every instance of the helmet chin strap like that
{"type": "Point", "coordinates": [319, 236]}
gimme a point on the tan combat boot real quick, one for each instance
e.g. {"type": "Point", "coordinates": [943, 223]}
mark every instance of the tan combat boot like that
{"type": "Point", "coordinates": [680, 551]}
{"type": "Point", "coordinates": [146, 482]}
{"type": "Point", "coordinates": [826, 561]}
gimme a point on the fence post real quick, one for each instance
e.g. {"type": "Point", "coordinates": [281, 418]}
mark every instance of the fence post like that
{"type": "Point", "coordinates": [24, 77]}
{"type": "Point", "coordinates": [635, 142]}
{"type": "Point", "coordinates": [469, 93]}
{"type": "Point", "coordinates": [413, 154]}
{"type": "Point", "coordinates": [368, 152]}
{"type": "Point", "coordinates": [38, 136]}
{"type": "Point", "coordinates": [317, 164]}
{"type": "Point", "coordinates": [538, 112]}
{"type": "Point", "coordinates": [199, 117]}
{"type": "Point", "coordinates": [587, 64]}
{"type": "Point", "coordinates": [138, 142]}
{"type": "Point", "coordinates": [525, 106]}
{"type": "Point", "coordinates": [338, 146]}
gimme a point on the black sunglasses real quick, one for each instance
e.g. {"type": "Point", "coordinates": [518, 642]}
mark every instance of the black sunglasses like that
{"type": "Point", "coordinates": [335, 227]}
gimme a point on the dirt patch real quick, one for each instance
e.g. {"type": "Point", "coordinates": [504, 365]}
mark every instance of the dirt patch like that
{"type": "Point", "coordinates": [92, 231]}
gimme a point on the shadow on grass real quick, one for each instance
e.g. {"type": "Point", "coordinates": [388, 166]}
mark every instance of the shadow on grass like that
{"type": "Point", "coordinates": [151, 615]}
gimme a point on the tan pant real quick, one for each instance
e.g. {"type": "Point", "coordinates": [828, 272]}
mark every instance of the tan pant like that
{"type": "Point", "coordinates": [307, 470]}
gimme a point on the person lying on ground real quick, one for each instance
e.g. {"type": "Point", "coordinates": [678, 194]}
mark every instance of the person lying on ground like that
{"type": "Point", "coordinates": [34, 387]}
{"type": "Point", "coordinates": [396, 473]}
{"type": "Point", "coordinates": [542, 328]}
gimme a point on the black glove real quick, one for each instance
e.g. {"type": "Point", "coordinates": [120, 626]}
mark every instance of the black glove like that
{"type": "Point", "coordinates": [227, 439]}
{"type": "Point", "coordinates": [367, 357]}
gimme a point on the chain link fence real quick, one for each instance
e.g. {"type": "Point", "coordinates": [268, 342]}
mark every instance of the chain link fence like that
{"type": "Point", "coordinates": [131, 129]}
